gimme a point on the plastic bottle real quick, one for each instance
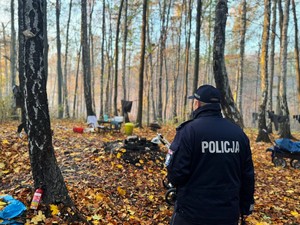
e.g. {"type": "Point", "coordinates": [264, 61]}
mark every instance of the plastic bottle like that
{"type": "Point", "coordinates": [36, 198]}
{"type": "Point", "coordinates": [168, 157]}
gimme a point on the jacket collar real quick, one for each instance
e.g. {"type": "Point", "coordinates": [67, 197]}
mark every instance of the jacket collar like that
{"type": "Point", "coordinates": [213, 109]}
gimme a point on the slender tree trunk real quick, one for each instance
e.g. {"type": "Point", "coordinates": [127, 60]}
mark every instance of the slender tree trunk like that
{"type": "Point", "coordinates": [139, 119]}
{"type": "Point", "coordinates": [117, 59]}
{"type": "Point", "coordinates": [262, 135]}
{"type": "Point", "coordinates": [197, 45]}
{"type": "Point", "coordinates": [67, 111]}
{"type": "Point", "coordinates": [124, 50]}
{"type": "Point", "coordinates": [151, 76]}
{"type": "Point", "coordinates": [280, 12]}
{"type": "Point", "coordinates": [76, 82]}
{"type": "Point", "coordinates": [272, 57]}
{"type": "Point", "coordinates": [21, 61]}
{"type": "Point", "coordinates": [59, 67]}
{"type": "Point", "coordinates": [229, 108]}
{"type": "Point", "coordinates": [242, 55]}
{"type": "Point", "coordinates": [285, 131]}
{"type": "Point", "coordinates": [188, 23]}
{"type": "Point", "coordinates": [102, 62]}
{"type": "Point", "coordinates": [86, 60]}
{"type": "Point", "coordinates": [91, 44]}
{"type": "Point", "coordinates": [5, 60]}
{"type": "Point", "coordinates": [296, 50]}
{"type": "Point", "coordinates": [13, 52]}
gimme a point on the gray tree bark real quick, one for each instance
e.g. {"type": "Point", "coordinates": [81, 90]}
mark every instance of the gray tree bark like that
{"type": "Point", "coordinates": [45, 171]}
{"type": "Point", "coordinates": [262, 127]}
{"type": "Point", "coordinates": [229, 108]}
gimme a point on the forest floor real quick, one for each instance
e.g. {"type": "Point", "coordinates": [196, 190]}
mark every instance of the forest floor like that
{"type": "Point", "coordinates": [110, 190]}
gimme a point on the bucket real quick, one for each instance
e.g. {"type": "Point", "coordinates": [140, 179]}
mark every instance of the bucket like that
{"type": "Point", "coordinates": [128, 128]}
{"type": "Point", "coordinates": [78, 129]}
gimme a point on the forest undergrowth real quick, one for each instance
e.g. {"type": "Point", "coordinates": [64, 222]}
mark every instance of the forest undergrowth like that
{"type": "Point", "coordinates": [108, 189]}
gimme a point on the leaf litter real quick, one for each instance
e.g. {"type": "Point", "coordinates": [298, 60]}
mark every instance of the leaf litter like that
{"type": "Point", "coordinates": [123, 186]}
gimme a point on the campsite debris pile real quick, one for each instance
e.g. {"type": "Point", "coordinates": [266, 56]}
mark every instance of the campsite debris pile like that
{"type": "Point", "coordinates": [136, 151]}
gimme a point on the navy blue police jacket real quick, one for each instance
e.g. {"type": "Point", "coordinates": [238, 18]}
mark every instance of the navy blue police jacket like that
{"type": "Point", "coordinates": [212, 168]}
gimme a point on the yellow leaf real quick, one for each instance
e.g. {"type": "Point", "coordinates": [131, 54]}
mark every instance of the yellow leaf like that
{"type": "Point", "coordinates": [151, 197]}
{"type": "Point", "coordinates": [141, 161]}
{"type": "Point", "coordinates": [121, 191]}
{"type": "Point", "coordinates": [2, 165]}
{"type": "Point", "coordinates": [119, 166]}
{"type": "Point", "coordinates": [5, 142]}
{"type": "Point", "coordinates": [119, 155]}
{"type": "Point", "coordinates": [40, 217]}
{"type": "Point", "coordinates": [54, 209]}
{"type": "Point", "coordinates": [17, 170]}
{"type": "Point", "coordinates": [99, 197]}
{"type": "Point", "coordinates": [295, 213]}
{"type": "Point", "coordinates": [97, 217]}
{"type": "Point", "coordinates": [289, 191]}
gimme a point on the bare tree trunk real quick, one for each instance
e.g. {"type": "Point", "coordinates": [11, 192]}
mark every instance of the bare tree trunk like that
{"type": "Point", "coordinates": [117, 59]}
{"type": "Point", "coordinates": [59, 68]}
{"type": "Point", "coordinates": [5, 61]}
{"type": "Point", "coordinates": [197, 45]}
{"type": "Point", "coordinates": [124, 49]}
{"type": "Point", "coordinates": [151, 76]}
{"type": "Point", "coordinates": [161, 58]}
{"type": "Point", "coordinates": [91, 44]}
{"type": "Point", "coordinates": [272, 57]}
{"type": "Point", "coordinates": [285, 131]}
{"type": "Point", "coordinates": [86, 60]}
{"type": "Point", "coordinates": [228, 106]}
{"type": "Point", "coordinates": [188, 23]}
{"type": "Point", "coordinates": [21, 61]}
{"type": "Point", "coordinates": [177, 73]}
{"type": "Point", "coordinates": [45, 171]}
{"type": "Point", "coordinates": [139, 118]}
{"type": "Point", "coordinates": [262, 135]}
{"type": "Point", "coordinates": [76, 82]}
{"type": "Point", "coordinates": [67, 111]}
{"type": "Point", "coordinates": [242, 55]}
{"type": "Point", "coordinates": [280, 10]}
{"type": "Point", "coordinates": [102, 62]}
{"type": "Point", "coordinates": [13, 52]}
{"type": "Point", "coordinates": [296, 50]}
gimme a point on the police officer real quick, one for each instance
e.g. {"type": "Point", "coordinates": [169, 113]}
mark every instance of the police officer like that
{"type": "Point", "coordinates": [211, 166]}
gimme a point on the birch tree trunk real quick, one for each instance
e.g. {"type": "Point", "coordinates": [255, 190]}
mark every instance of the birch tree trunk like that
{"type": "Point", "coordinates": [229, 108]}
{"type": "Point", "coordinates": [272, 59]}
{"type": "Point", "coordinates": [45, 171]}
{"type": "Point", "coordinates": [285, 131]}
{"type": "Point", "coordinates": [262, 135]}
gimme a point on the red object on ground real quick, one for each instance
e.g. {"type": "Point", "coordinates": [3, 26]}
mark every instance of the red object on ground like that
{"type": "Point", "coordinates": [78, 129]}
{"type": "Point", "coordinates": [36, 198]}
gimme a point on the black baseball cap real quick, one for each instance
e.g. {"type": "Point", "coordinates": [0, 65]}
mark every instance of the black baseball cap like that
{"type": "Point", "coordinates": [207, 93]}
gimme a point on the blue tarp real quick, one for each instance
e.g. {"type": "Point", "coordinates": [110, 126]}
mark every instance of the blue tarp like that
{"type": "Point", "coordinates": [287, 144]}
{"type": "Point", "coordinates": [14, 209]}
